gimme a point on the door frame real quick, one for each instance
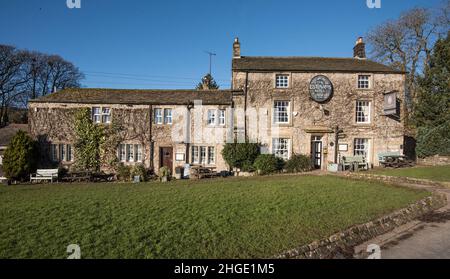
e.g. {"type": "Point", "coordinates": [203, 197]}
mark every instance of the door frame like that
{"type": "Point", "coordinates": [316, 141]}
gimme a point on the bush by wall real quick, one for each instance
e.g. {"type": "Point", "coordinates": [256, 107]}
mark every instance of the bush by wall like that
{"type": "Point", "coordinates": [268, 164]}
{"type": "Point", "coordinates": [20, 157]}
{"type": "Point", "coordinates": [123, 172]}
{"type": "Point", "coordinates": [241, 155]}
{"type": "Point", "coordinates": [433, 140]}
{"type": "Point", "coordinates": [298, 163]}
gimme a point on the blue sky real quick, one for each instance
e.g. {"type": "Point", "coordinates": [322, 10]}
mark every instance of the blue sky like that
{"type": "Point", "coordinates": [161, 44]}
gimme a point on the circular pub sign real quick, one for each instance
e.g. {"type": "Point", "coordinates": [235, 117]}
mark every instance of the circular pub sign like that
{"type": "Point", "coordinates": [321, 89]}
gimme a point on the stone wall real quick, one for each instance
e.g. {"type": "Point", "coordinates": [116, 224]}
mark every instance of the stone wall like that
{"type": "Point", "coordinates": [436, 160]}
{"type": "Point", "coordinates": [308, 118]}
{"type": "Point", "coordinates": [342, 243]}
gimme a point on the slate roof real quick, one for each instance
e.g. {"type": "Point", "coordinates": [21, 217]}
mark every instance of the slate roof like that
{"type": "Point", "coordinates": [309, 64]}
{"type": "Point", "coordinates": [8, 132]}
{"type": "Point", "coordinates": [138, 97]}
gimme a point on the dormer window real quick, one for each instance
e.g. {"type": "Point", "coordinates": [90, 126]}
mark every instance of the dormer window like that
{"type": "Point", "coordinates": [282, 81]}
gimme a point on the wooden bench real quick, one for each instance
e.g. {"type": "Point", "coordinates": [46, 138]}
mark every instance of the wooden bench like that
{"type": "Point", "coordinates": [44, 175]}
{"type": "Point", "coordinates": [355, 162]}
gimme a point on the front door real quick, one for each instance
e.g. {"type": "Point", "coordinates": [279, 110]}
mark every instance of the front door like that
{"type": "Point", "coordinates": [166, 157]}
{"type": "Point", "coordinates": [316, 151]}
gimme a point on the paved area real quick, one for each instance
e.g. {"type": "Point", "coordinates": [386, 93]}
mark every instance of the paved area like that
{"type": "Point", "coordinates": [425, 238]}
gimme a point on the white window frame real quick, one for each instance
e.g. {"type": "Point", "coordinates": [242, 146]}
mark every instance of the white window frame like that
{"type": "Point", "coordinates": [54, 152]}
{"type": "Point", "coordinates": [97, 115]}
{"type": "Point", "coordinates": [363, 111]}
{"type": "Point", "coordinates": [211, 155]}
{"type": "Point", "coordinates": [361, 146]}
{"type": "Point", "coordinates": [106, 115]}
{"type": "Point", "coordinates": [222, 117]}
{"type": "Point", "coordinates": [139, 154]}
{"type": "Point", "coordinates": [212, 117]}
{"type": "Point", "coordinates": [203, 155]}
{"type": "Point", "coordinates": [281, 147]}
{"type": "Point", "coordinates": [168, 116]}
{"type": "Point", "coordinates": [69, 153]}
{"type": "Point", "coordinates": [158, 115]}
{"type": "Point", "coordinates": [364, 82]}
{"type": "Point", "coordinates": [281, 81]}
{"type": "Point", "coordinates": [130, 153]}
{"type": "Point", "coordinates": [61, 152]}
{"type": "Point", "coordinates": [195, 155]}
{"type": "Point", "coordinates": [281, 116]}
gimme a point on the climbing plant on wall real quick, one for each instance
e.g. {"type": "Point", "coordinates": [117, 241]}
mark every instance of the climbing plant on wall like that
{"type": "Point", "coordinates": [89, 139]}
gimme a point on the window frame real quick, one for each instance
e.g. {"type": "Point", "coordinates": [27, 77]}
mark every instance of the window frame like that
{"type": "Point", "coordinates": [130, 153]}
{"type": "Point", "coordinates": [168, 116]}
{"type": "Point", "coordinates": [222, 117]}
{"type": "Point", "coordinates": [277, 150]}
{"type": "Point", "coordinates": [360, 114]}
{"type": "Point", "coordinates": [106, 116]}
{"type": "Point", "coordinates": [357, 151]}
{"type": "Point", "coordinates": [277, 112]}
{"type": "Point", "coordinates": [97, 115]}
{"type": "Point", "coordinates": [362, 83]}
{"type": "Point", "coordinates": [158, 115]}
{"type": "Point", "coordinates": [282, 84]}
{"type": "Point", "coordinates": [203, 154]}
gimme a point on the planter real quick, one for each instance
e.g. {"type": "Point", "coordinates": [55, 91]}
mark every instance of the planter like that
{"type": "Point", "coordinates": [164, 179]}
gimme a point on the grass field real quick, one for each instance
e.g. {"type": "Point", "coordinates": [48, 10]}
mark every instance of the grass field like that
{"type": "Point", "coordinates": [440, 173]}
{"type": "Point", "coordinates": [225, 218]}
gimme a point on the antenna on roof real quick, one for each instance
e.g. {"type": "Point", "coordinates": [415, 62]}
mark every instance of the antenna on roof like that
{"type": "Point", "coordinates": [211, 54]}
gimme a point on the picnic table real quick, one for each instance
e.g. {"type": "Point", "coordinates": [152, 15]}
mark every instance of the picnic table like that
{"type": "Point", "coordinates": [199, 172]}
{"type": "Point", "coordinates": [396, 161]}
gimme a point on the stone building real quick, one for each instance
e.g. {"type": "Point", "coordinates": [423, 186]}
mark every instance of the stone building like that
{"type": "Point", "coordinates": [326, 107]}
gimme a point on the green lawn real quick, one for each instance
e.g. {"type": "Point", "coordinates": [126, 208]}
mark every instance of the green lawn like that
{"type": "Point", "coordinates": [234, 217]}
{"type": "Point", "coordinates": [441, 173]}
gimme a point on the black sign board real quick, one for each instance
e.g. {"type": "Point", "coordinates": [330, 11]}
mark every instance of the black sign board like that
{"type": "Point", "coordinates": [321, 89]}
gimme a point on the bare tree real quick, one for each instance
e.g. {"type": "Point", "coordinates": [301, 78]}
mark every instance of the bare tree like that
{"type": "Point", "coordinates": [13, 77]}
{"type": "Point", "coordinates": [406, 43]}
{"type": "Point", "coordinates": [28, 75]}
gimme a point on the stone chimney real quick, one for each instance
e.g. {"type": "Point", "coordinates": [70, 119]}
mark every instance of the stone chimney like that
{"type": "Point", "coordinates": [236, 48]}
{"type": "Point", "coordinates": [359, 51]}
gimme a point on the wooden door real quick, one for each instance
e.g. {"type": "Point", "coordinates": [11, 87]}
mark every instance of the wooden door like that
{"type": "Point", "coordinates": [166, 157]}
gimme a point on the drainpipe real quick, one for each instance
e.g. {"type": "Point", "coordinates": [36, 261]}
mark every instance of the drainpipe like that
{"type": "Point", "coordinates": [152, 144]}
{"type": "Point", "coordinates": [188, 131]}
{"type": "Point", "coordinates": [245, 105]}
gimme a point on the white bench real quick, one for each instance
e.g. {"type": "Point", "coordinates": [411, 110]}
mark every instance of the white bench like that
{"type": "Point", "coordinates": [40, 175]}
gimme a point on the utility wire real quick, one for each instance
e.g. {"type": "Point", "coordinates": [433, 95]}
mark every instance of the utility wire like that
{"type": "Point", "coordinates": [149, 76]}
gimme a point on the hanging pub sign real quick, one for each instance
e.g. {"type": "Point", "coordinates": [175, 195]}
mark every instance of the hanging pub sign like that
{"type": "Point", "coordinates": [390, 103]}
{"type": "Point", "coordinates": [320, 89]}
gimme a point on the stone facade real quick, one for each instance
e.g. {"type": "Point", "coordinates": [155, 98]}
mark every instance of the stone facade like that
{"type": "Point", "coordinates": [308, 118]}
{"type": "Point", "coordinates": [249, 113]}
{"type": "Point", "coordinates": [53, 123]}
